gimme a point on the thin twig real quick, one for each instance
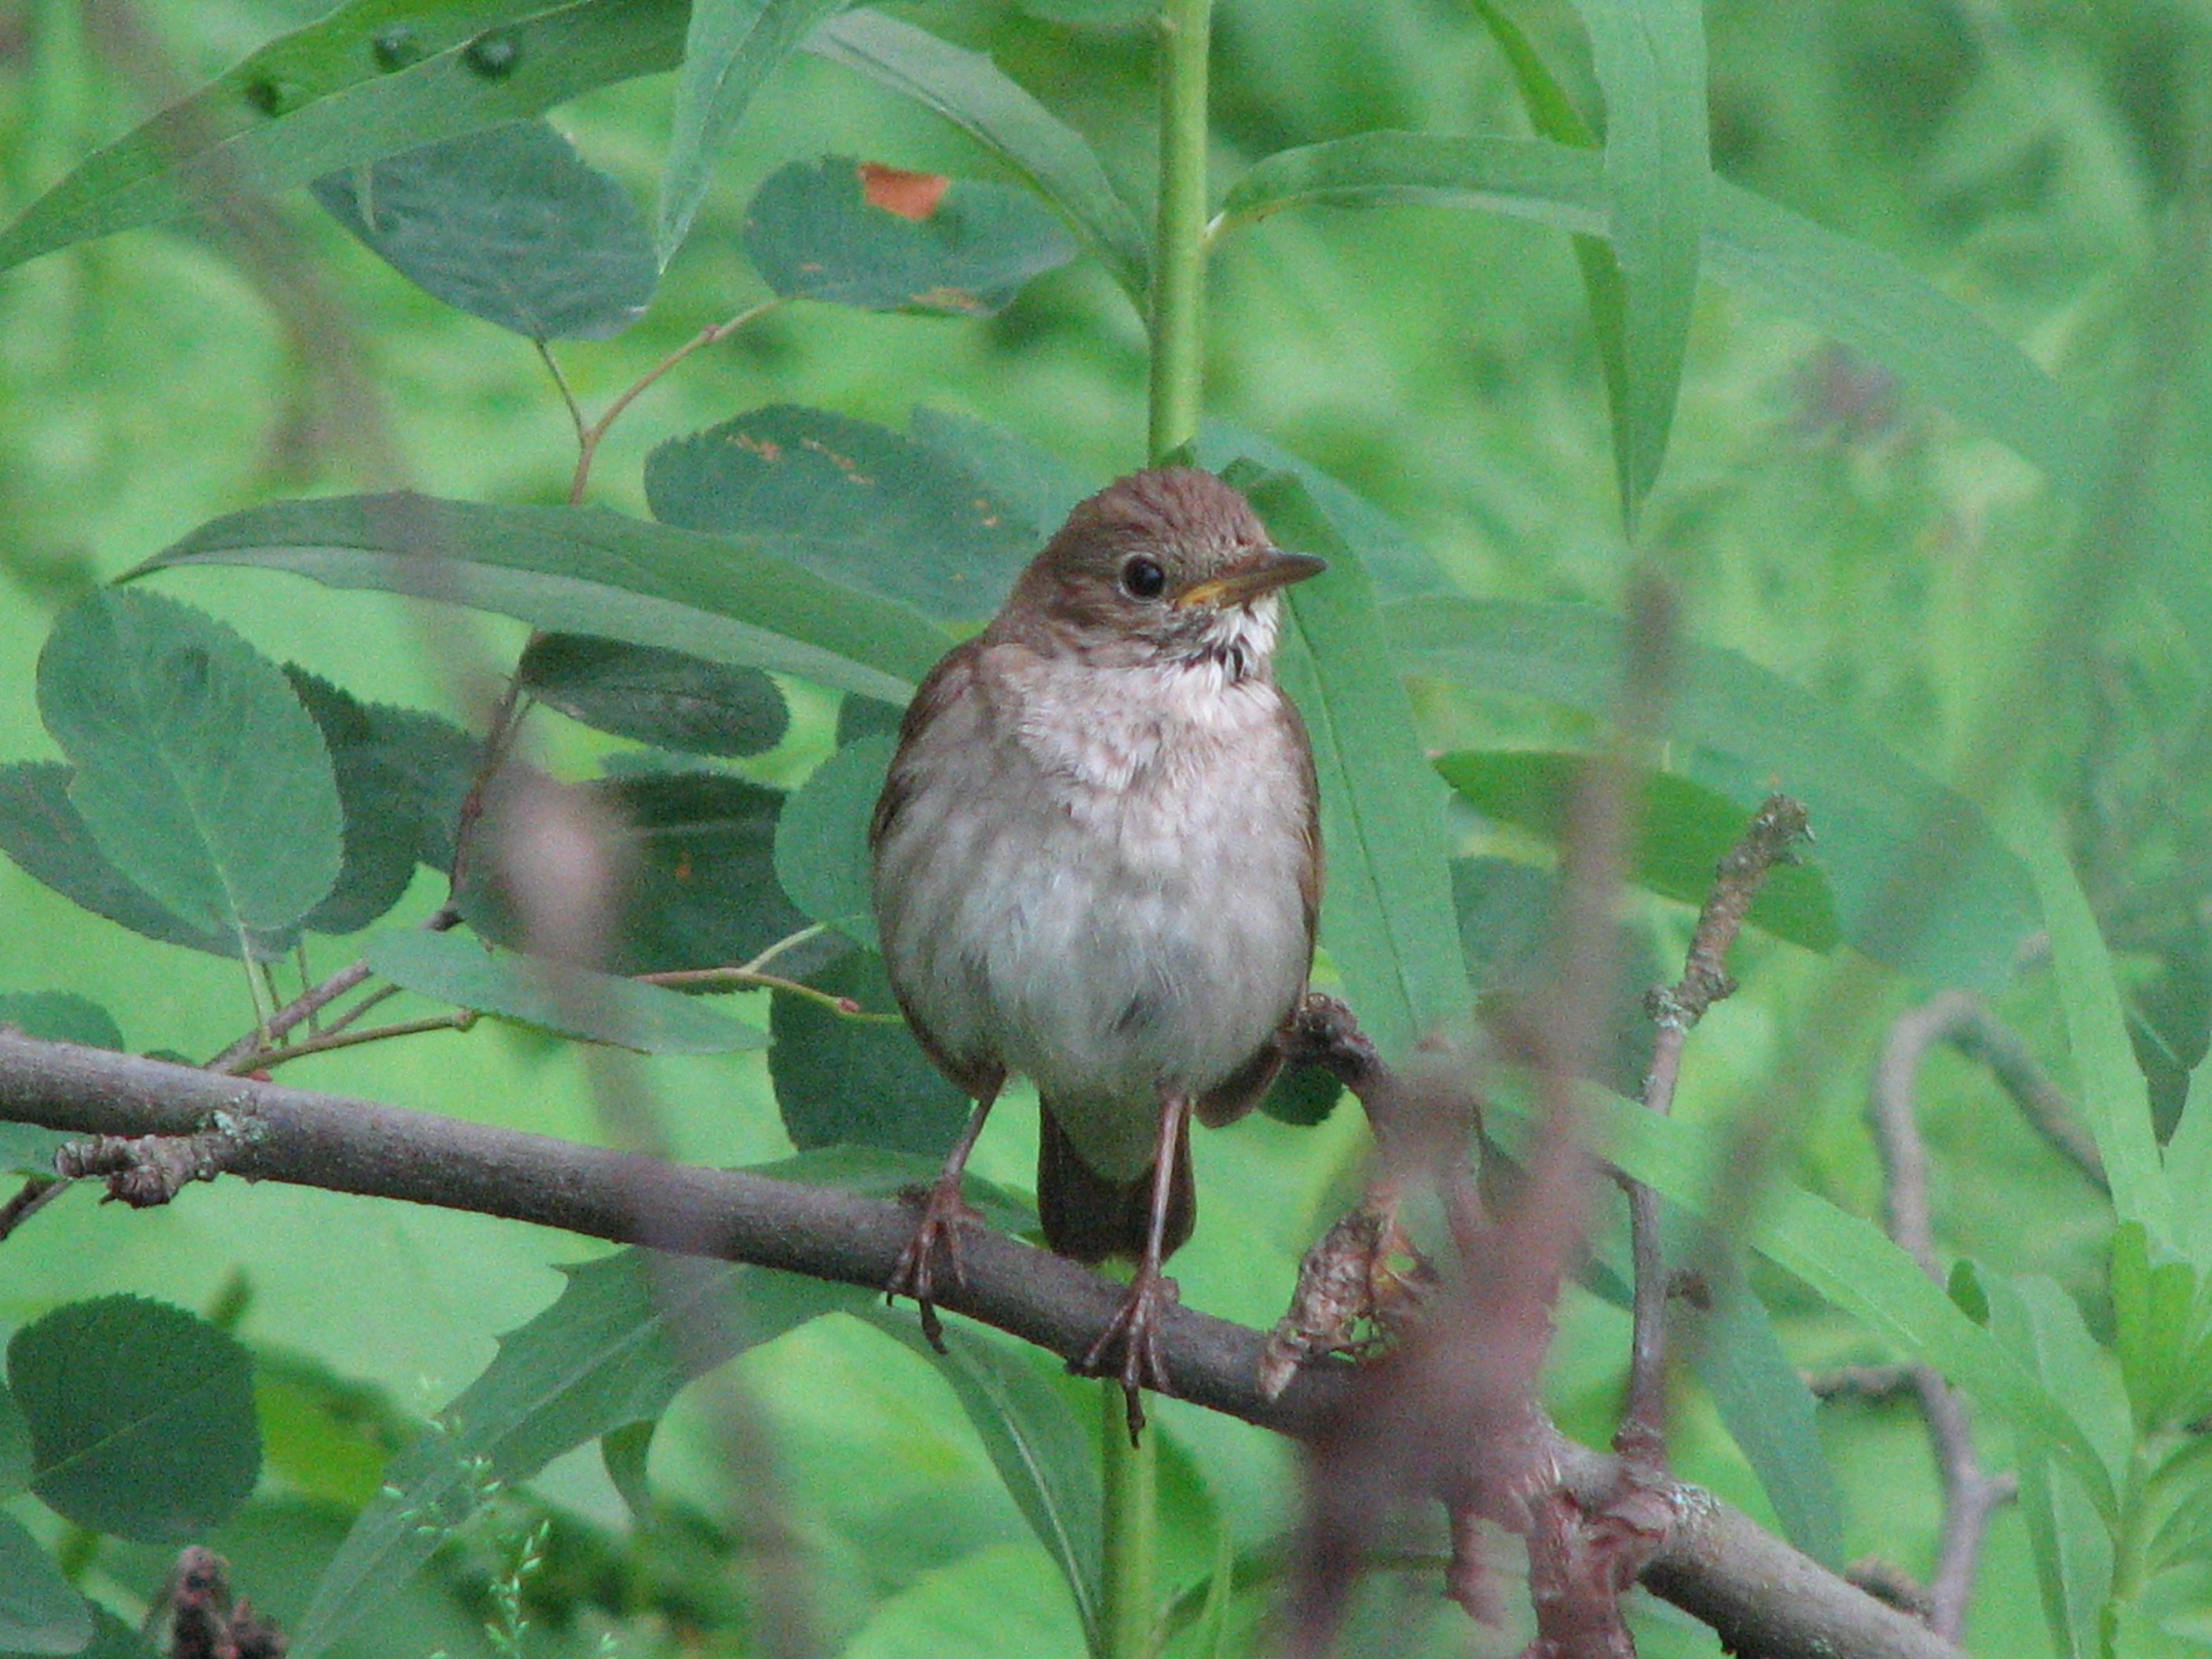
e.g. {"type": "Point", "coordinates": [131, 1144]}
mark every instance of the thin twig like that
{"type": "Point", "coordinates": [293, 1013]}
{"type": "Point", "coordinates": [37, 1192]}
{"type": "Point", "coordinates": [460, 1020]}
{"type": "Point", "coordinates": [848, 1007]}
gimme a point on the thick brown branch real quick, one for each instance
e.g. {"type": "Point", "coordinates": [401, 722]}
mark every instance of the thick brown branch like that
{"type": "Point", "coordinates": [1758, 1593]}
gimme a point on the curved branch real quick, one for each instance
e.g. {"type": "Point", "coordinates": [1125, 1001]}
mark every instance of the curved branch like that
{"type": "Point", "coordinates": [1759, 1593]}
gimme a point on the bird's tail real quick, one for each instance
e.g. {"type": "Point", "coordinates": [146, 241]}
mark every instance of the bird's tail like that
{"type": "Point", "coordinates": [1090, 1217]}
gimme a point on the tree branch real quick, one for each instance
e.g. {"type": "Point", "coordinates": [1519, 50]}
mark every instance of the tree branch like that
{"type": "Point", "coordinates": [1759, 1594]}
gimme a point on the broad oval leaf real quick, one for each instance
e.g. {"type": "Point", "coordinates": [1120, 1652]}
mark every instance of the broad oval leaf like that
{"type": "Point", "coordinates": [39, 1612]}
{"type": "Point", "coordinates": [508, 224]}
{"type": "Point", "coordinates": [654, 695]}
{"type": "Point", "coordinates": [199, 774]}
{"type": "Point", "coordinates": [846, 1082]}
{"type": "Point", "coordinates": [967, 89]}
{"type": "Point", "coordinates": [371, 79]}
{"type": "Point", "coordinates": [60, 1017]}
{"type": "Point", "coordinates": [558, 997]}
{"type": "Point", "coordinates": [587, 571]}
{"type": "Point", "coordinates": [881, 239]}
{"type": "Point", "coordinates": [853, 502]}
{"type": "Point", "coordinates": [1035, 483]}
{"type": "Point", "coordinates": [141, 1416]}
{"type": "Point", "coordinates": [730, 50]}
{"type": "Point", "coordinates": [822, 838]}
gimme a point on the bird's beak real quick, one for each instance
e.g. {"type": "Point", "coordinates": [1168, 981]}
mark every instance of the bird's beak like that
{"type": "Point", "coordinates": [1248, 577]}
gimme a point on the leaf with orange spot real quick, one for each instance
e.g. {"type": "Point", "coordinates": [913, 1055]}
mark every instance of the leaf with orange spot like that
{"type": "Point", "coordinates": [895, 190]}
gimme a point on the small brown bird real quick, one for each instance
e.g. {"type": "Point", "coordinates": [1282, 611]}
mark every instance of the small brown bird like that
{"type": "Point", "coordinates": [1097, 863]}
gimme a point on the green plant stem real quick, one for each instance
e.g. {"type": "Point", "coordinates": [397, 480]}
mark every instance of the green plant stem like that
{"type": "Point", "coordinates": [1178, 308]}
{"type": "Point", "coordinates": [1130, 1475]}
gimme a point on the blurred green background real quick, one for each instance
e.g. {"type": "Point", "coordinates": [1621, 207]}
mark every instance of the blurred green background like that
{"type": "Point", "coordinates": [1822, 521]}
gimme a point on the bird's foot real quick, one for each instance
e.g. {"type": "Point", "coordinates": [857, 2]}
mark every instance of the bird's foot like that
{"type": "Point", "coordinates": [1129, 1346]}
{"type": "Point", "coordinates": [944, 1216]}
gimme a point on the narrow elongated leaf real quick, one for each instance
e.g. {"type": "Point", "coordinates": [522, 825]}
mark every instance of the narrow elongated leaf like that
{"type": "Point", "coordinates": [39, 1611]}
{"type": "Point", "coordinates": [880, 239]}
{"type": "Point", "coordinates": [372, 78]}
{"type": "Point", "coordinates": [1398, 565]}
{"type": "Point", "coordinates": [854, 502]}
{"type": "Point", "coordinates": [1043, 1452]}
{"type": "Point", "coordinates": [971, 91]}
{"type": "Point", "coordinates": [1853, 292]}
{"type": "Point", "coordinates": [822, 838]}
{"type": "Point", "coordinates": [628, 1331]}
{"type": "Point", "coordinates": [846, 1082]}
{"type": "Point", "coordinates": [2113, 1097]}
{"type": "Point", "coordinates": [1917, 878]}
{"type": "Point", "coordinates": [1682, 830]}
{"type": "Point", "coordinates": [141, 1418]}
{"type": "Point", "coordinates": [730, 50]}
{"type": "Point", "coordinates": [2188, 1162]}
{"type": "Point", "coordinates": [588, 571]}
{"type": "Point", "coordinates": [656, 696]}
{"type": "Point", "coordinates": [1387, 914]}
{"type": "Point", "coordinates": [508, 224]}
{"type": "Point", "coordinates": [1651, 59]}
{"type": "Point", "coordinates": [556, 996]}
{"type": "Point", "coordinates": [199, 774]}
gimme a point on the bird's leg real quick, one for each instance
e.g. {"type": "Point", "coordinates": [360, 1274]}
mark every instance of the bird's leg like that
{"type": "Point", "coordinates": [1132, 1338]}
{"type": "Point", "coordinates": [944, 1214]}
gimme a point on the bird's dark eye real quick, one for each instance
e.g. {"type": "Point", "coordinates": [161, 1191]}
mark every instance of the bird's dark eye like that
{"type": "Point", "coordinates": [1142, 579]}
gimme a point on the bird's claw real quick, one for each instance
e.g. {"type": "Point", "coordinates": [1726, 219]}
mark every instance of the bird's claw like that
{"type": "Point", "coordinates": [1129, 1346]}
{"type": "Point", "coordinates": [944, 1216]}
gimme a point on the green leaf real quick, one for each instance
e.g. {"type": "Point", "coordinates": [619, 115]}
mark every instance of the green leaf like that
{"type": "Point", "coordinates": [624, 1453]}
{"type": "Point", "coordinates": [822, 839]}
{"type": "Point", "coordinates": [588, 571]}
{"type": "Point", "coordinates": [1387, 914]}
{"type": "Point", "coordinates": [14, 1447]}
{"type": "Point", "coordinates": [854, 502]}
{"type": "Point", "coordinates": [628, 1331]}
{"type": "Point", "coordinates": [1683, 830]}
{"type": "Point", "coordinates": [558, 997]}
{"type": "Point", "coordinates": [374, 77]}
{"type": "Point", "coordinates": [60, 1017]}
{"type": "Point", "coordinates": [969, 91]}
{"type": "Point", "coordinates": [2113, 1099]}
{"type": "Point", "coordinates": [39, 1611]}
{"type": "Point", "coordinates": [1039, 489]}
{"type": "Point", "coordinates": [198, 772]}
{"type": "Point", "coordinates": [1395, 561]}
{"type": "Point", "coordinates": [325, 1436]}
{"type": "Point", "coordinates": [508, 224]}
{"type": "Point", "coordinates": [1917, 879]}
{"type": "Point", "coordinates": [1650, 61]}
{"type": "Point", "coordinates": [1302, 1095]}
{"type": "Point", "coordinates": [657, 697]}
{"type": "Point", "coordinates": [2188, 1163]}
{"type": "Point", "coordinates": [41, 830]}
{"type": "Point", "coordinates": [141, 1418]}
{"type": "Point", "coordinates": [731, 49]}
{"type": "Point", "coordinates": [878, 1172]}
{"type": "Point", "coordinates": [2154, 1328]}
{"type": "Point", "coordinates": [1042, 1451]}
{"type": "Point", "coordinates": [841, 1081]}
{"type": "Point", "coordinates": [1845, 289]}
{"type": "Point", "coordinates": [881, 239]}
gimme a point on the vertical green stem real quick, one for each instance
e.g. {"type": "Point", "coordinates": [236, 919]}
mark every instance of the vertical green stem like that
{"type": "Point", "coordinates": [1178, 318]}
{"type": "Point", "coordinates": [1132, 1494]}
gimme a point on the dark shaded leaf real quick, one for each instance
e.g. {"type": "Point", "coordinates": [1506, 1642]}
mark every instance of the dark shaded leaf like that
{"type": "Point", "coordinates": [864, 717]}
{"type": "Point", "coordinates": [42, 830]}
{"type": "Point", "coordinates": [1036, 484]}
{"type": "Point", "coordinates": [822, 839]}
{"type": "Point", "coordinates": [841, 1081]}
{"type": "Point", "coordinates": [859, 234]}
{"type": "Point", "coordinates": [624, 1453]}
{"type": "Point", "coordinates": [1301, 1094]}
{"type": "Point", "coordinates": [199, 774]}
{"type": "Point", "coordinates": [628, 1331]}
{"type": "Point", "coordinates": [39, 1612]}
{"type": "Point", "coordinates": [730, 50]}
{"type": "Point", "coordinates": [656, 696]}
{"type": "Point", "coordinates": [1917, 879]}
{"type": "Point", "coordinates": [1682, 831]}
{"type": "Point", "coordinates": [508, 224]}
{"type": "Point", "coordinates": [969, 91]}
{"type": "Point", "coordinates": [854, 502]}
{"type": "Point", "coordinates": [60, 1017]}
{"type": "Point", "coordinates": [587, 571]}
{"type": "Point", "coordinates": [367, 81]}
{"type": "Point", "coordinates": [556, 997]}
{"type": "Point", "coordinates": [14, 1447]}
{"type": "Point", "coordinates": [141, 1416]}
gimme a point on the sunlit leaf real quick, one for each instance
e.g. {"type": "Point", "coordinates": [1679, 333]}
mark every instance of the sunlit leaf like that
{"type": "Point", "coordinates": [508, 224]}
{"type": "Point", "coordinates": [199, 774]}
{"type": "Point", "coordinates": [878, 238]}
{"type": "Point", "coordinates": [141, 1418]}
{"type": "Point", "coordinates": [656, 696]}
{"type": "Point", "coordinates": [841, 1081]}
{"type": "Point", "coordinates": [372, 78]}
